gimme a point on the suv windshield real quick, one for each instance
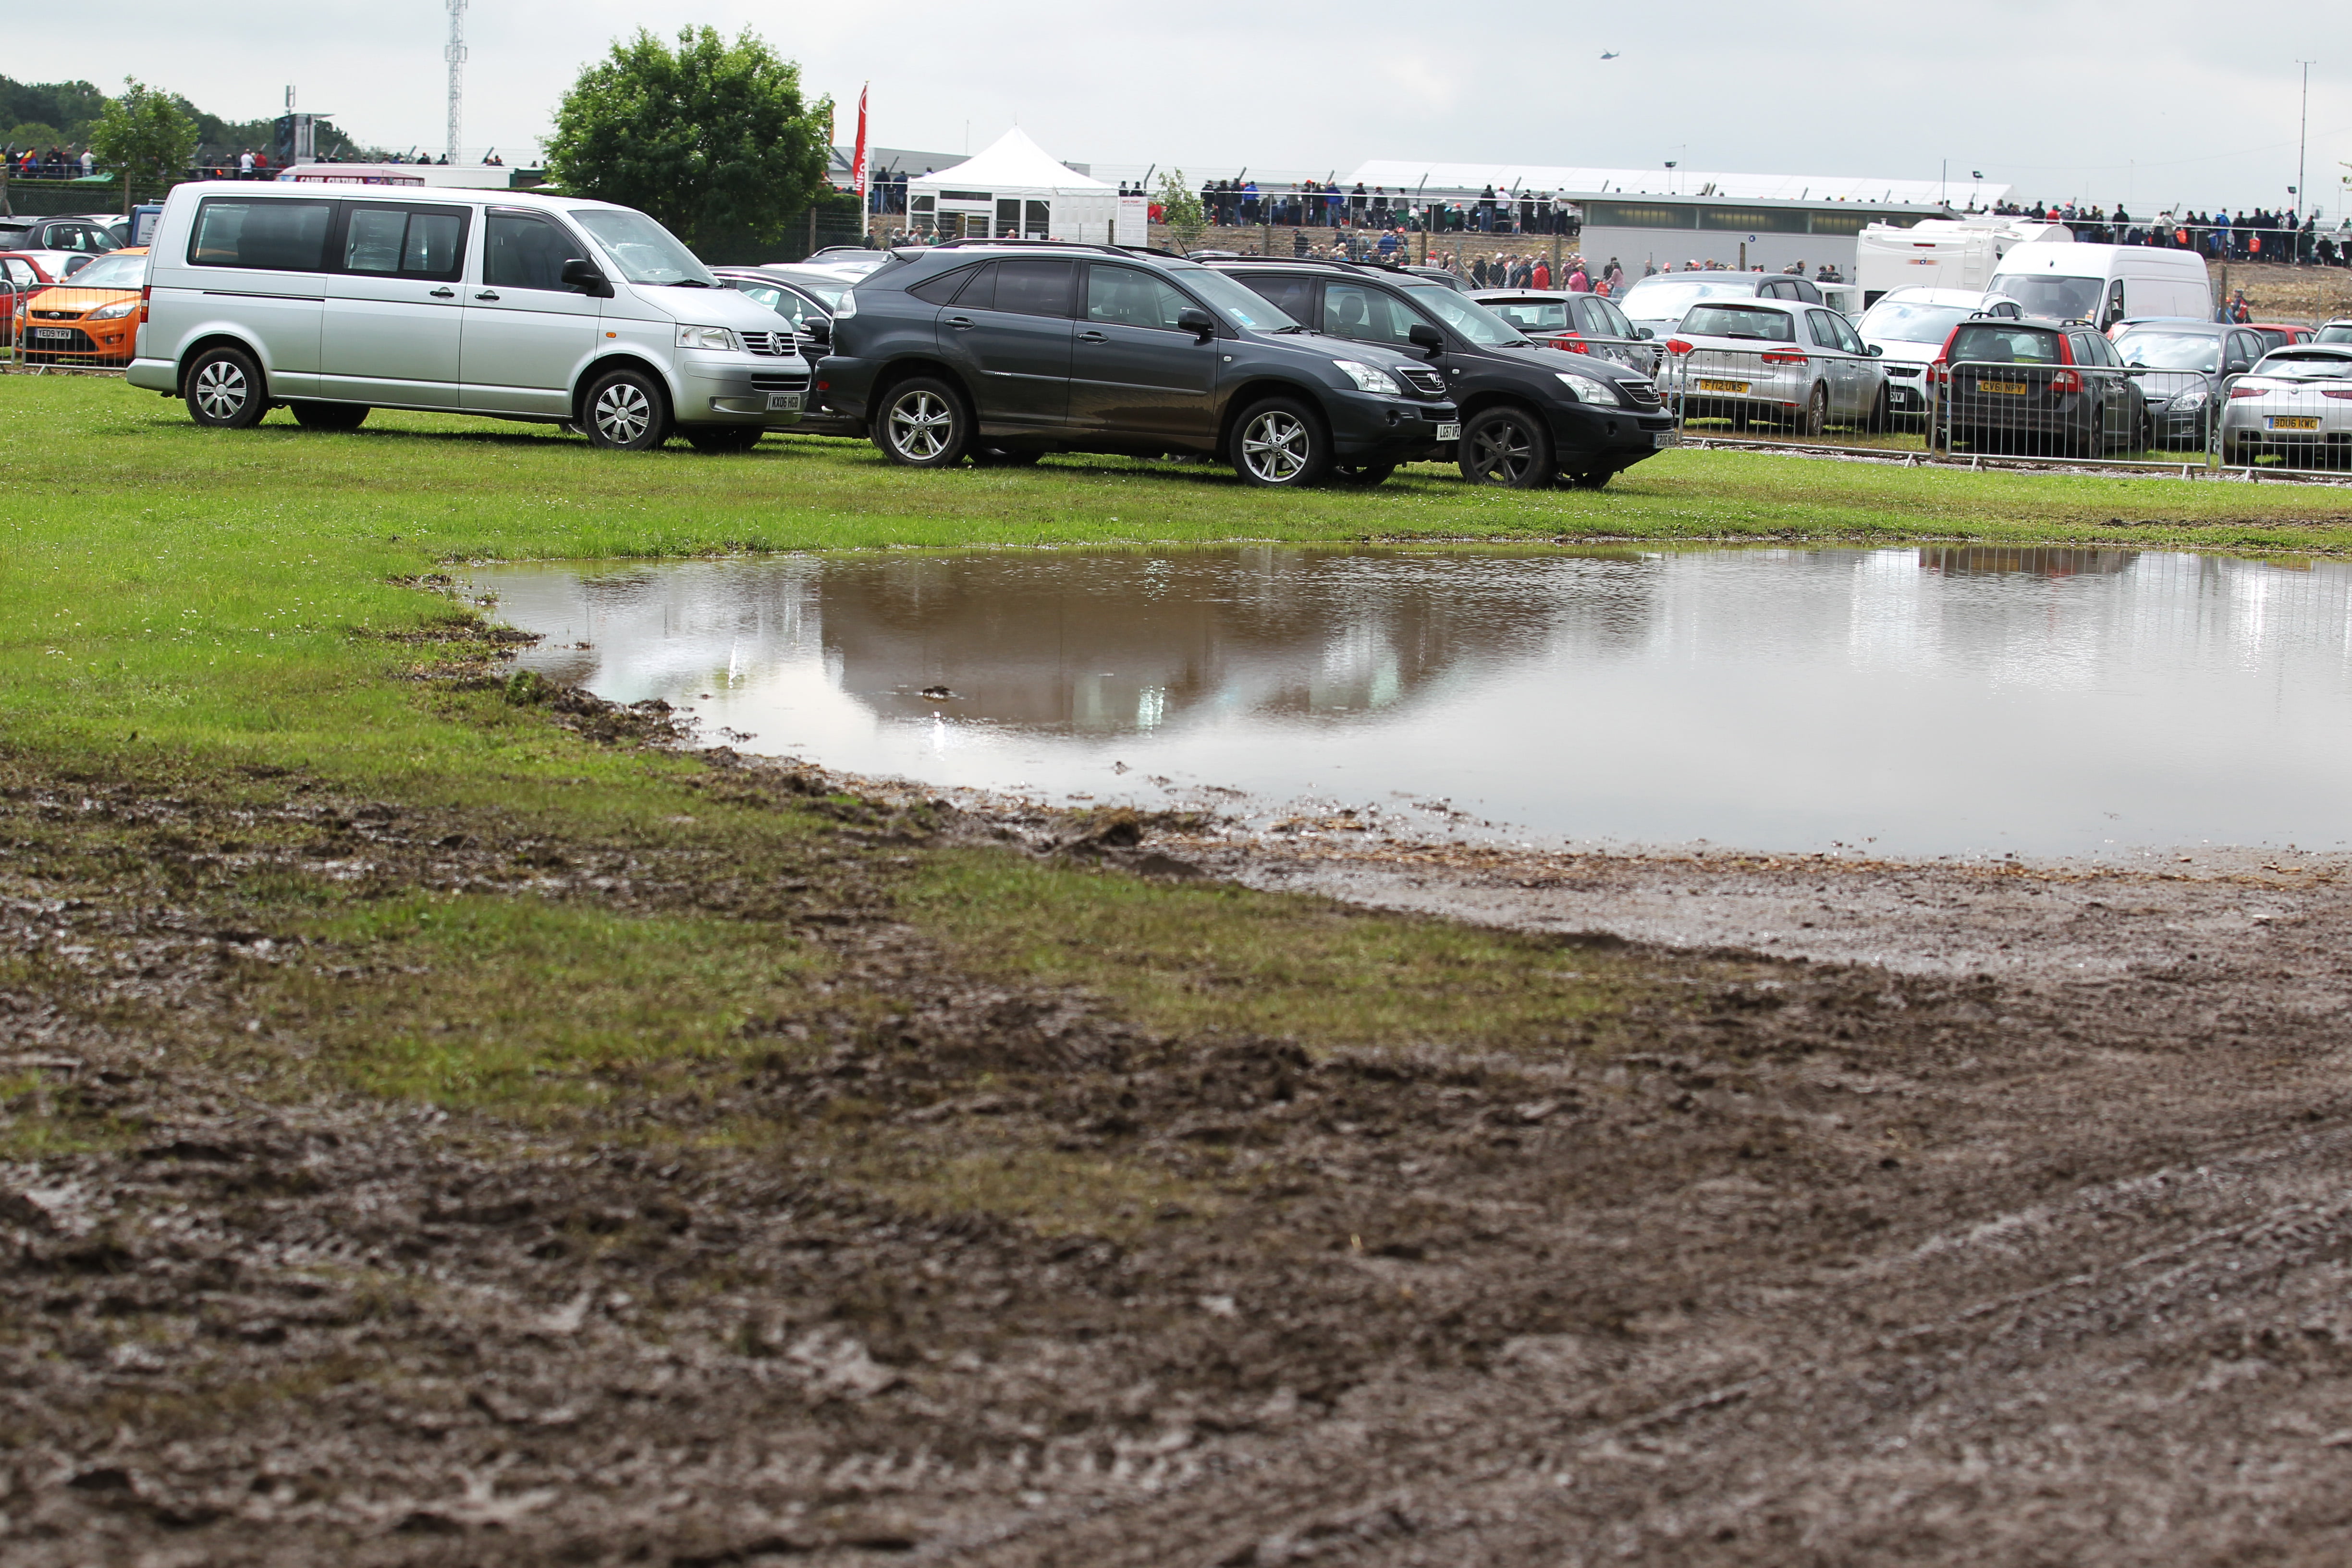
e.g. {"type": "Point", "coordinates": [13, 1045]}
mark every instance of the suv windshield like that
{"type": "Point", "coordinates": [1243, 306]}
{"type": "Point", "coordinates": [1463, 314]}
{"type": "Point", "coordinates": [2170, 350]}
{"type": "Point", "coordinates": [644, 251]}
{"type": "Point", "coordinates": [1741, 321]}
{"type": "Point", "coordinates": [1902, 322]}
{"type": "Point", "coordinates": [115, 271]}
{"type": "Point", "coordinates": [1986, 344]}
{"type": "Point", "coordinates": [2046, 294]}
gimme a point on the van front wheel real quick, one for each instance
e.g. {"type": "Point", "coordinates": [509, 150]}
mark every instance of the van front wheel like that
{"type": "Point", "coordinates": [226, 390]}
{"type": "Point", "coordinates": [627, 413]}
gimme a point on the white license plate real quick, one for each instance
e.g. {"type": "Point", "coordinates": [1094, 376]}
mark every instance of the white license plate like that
{"type": "Point", "coordinates": [784, 403]}
{"type": "Point", "coordinates": [1663, 438]}
{"type": "Point", "coordinates": [63, 333]}
{"type": "Point", "coordinates": [1449, 432]}
{"type": "Point", "coordinates": [2290, 421]}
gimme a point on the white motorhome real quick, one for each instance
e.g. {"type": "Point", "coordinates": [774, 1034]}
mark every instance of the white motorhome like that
{"type": "Point", "coordinates": [335, 299]}
{"type": "Point", "coordinates": [2103, 284]}
{"type": "Point", "coordinates": [1943, 253]}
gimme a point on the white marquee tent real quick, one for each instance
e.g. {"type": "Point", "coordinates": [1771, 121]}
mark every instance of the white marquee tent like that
{"type": "Point", "coordinates": [1014, 189]}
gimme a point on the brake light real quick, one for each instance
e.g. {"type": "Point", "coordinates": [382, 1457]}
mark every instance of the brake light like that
{"type": "Point", "coordinates": [1785, 358]}
{"type": "Point", "coordinates": [2257, 391]}
{"type": "Point", "coordinates": [2336, 391]}
{"type": "Point", "coordinates": [1678, 346]}
{"type": "Point", "coordinates": [1938, 372]}
{"type": "Point", "coordinates": [2065, 381]}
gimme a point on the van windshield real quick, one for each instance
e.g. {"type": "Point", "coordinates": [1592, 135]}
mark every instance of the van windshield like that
{"type": "Point", "coordinates": [644, 251]}
{"type": "Point", "coordinates": [2048, 294]}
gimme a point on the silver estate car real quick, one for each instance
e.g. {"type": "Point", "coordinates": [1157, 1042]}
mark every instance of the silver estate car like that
{"type": "Point", "coordinates": [336, 298]}
{"type": "Point", "coordinates": [1778, 361]}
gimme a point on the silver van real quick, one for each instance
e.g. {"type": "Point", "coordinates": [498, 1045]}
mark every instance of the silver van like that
{"type": "Point", "coordinates": [332, 300]}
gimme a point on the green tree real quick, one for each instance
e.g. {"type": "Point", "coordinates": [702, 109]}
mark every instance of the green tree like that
{"type": "Point", "coordinates": [713, 139]}
{"type": "Point", "coordinates": [1180, 209]}
{"type": "Point", "coordinates": [144, 135]}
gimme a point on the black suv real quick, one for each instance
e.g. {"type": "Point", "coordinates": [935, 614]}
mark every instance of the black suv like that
{"type": "Point", "coordinates": [1006, 350]}
{"type": "Point", "coordinates": [1529, 415]}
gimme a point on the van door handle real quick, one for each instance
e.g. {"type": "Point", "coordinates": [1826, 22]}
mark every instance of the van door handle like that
{"type": "Point", "coordinates": [485, 294]}
{"type": "Point", "coordinates": [1094, 337]}
{"type": "Point", "coordinates": [444, 294]}
{"type": "Point", "coordinates": [960, 323]}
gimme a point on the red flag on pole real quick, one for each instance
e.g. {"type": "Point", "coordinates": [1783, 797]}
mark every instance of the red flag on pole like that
{"type": "Point", "coordinates": [858, 165]}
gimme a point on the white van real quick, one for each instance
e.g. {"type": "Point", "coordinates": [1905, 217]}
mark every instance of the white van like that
{"type": "Point", "coordinates": [335, 299]}
{"type": "Point", "coordinates": [1942, 253]}
{"type": "Point", "coordinates": [2103, 284]}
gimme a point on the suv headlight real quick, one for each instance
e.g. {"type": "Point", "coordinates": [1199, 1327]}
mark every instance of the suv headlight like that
{"type": "Point", "coordinates": [848, 306]}
{"type": "Point", "coordinates": [717, 338]}
{"type": "Point", "coordinates": [1588, 390]}
{"type": "Point", "coordinates": [114, 311]}
{"type": "Point", "coordinates": [1369, 378]}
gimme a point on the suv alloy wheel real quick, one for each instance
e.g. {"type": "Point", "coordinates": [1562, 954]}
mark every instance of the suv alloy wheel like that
{"type": "Point", "coordinates": [1506, 447]}
{"type": "Point", "coordinates": [1280, 443]}
{"type": "Point", "coordinates": [224, 390]}
{"type": "Point", "coordinates": [923, 424]}
{"type": "Point", "coordinates": [627, 413]}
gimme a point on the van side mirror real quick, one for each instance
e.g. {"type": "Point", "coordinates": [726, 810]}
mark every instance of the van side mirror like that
{"type": "Point", "coordinates": [582, 275]}
{"type": "Point", "coordinates": [1197, 322]}
{"type": "Point", "coordinates": [1425, 336]}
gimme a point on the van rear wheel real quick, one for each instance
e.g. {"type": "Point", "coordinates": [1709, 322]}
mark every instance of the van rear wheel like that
{"type": "Point", "coordinates": [224, 390]}
{"type": "Point", "coordinates": [329, 416]}
{"type": "Point", "coordinates": [627, 413]}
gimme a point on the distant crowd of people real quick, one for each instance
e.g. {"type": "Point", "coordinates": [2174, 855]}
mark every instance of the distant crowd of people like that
{"type": "Point", "coordinates": [57, 163]}
{"type": "Point", "coordinates": [1316, 203]}
{"type": "Point", "coordinates": [2257, 235]}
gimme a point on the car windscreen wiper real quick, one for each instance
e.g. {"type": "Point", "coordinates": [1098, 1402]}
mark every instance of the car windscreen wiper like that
{"type": "Point", "coordinates": [692, 283]}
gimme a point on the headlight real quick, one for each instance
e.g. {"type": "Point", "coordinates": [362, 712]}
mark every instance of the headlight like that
{"type": "Point", "coordinates": [1369, 378]}
{"type": "Point", "coordinates": [1588, 390]}
{"type": "Point", "coordinates": [120, 308]}
{"type": "Point", "coordinates": [2193, 398]}
{"type": "Point", "coordinates": [709, 337]}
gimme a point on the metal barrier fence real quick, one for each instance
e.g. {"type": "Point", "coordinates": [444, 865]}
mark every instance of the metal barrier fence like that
{"type": "Point", "coordinates": [2021, 407]}
{"type": "Point", "coordinates": [2278, 423]}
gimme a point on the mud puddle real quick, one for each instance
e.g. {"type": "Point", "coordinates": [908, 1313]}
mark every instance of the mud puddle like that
{"type": "Point", "coordinates": [1897, 702]}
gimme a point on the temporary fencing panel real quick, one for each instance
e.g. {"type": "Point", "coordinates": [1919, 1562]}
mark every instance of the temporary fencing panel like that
{"type": "Point", "coordinates": [1792, 391]}
{"type": "Point", "coordinates": [2036, 410]}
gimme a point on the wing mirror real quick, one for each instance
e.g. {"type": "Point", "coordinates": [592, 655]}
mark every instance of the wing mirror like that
{"type": "Point", "coordinates": [1876, 350]}
{"type": "Point", "coordinates": [582, 275]}
{"type": "Point", "coordinates": [1197, 322]}
{"type": "Point", "coordinates": [1425, 336]}
{"type": "Point", "coordinates": [1645, 333]}
{"type": "Point", "coordinates": [817, 330]}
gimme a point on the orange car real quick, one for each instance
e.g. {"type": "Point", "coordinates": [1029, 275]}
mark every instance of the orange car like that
{"type": "Point", "coordinates": [94, 319]}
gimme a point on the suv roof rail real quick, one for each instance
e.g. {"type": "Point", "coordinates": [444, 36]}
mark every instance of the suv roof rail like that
{"type": "Point", "coordinates": [1339, 262]}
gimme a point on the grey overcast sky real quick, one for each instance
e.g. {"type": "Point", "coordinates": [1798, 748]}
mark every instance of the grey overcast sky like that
{"type": "Point", "coordinates": [2151, 102]}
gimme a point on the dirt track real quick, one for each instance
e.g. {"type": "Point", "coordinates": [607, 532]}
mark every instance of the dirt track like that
{"type": "Point", "coordinates": [1894, 1243]}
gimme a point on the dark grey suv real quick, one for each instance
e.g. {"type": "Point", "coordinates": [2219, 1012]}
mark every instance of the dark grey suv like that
{"type": "Point", "coordinates": [1004, 351]}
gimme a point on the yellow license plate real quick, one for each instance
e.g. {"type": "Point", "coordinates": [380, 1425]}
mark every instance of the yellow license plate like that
{"type": "Point", "coordinates": [2013, 388]}
{"type": "Point", "coordinates": [2292, 422]}
{"type": "Point", "coordinates": [1734, 386]}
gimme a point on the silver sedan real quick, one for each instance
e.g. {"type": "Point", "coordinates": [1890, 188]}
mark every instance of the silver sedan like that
{"type": "Point", "coordinates": [1784, 362]}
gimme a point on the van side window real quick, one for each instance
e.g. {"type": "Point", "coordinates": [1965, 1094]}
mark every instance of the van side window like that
{"type": "Point", "coordinates": [409, 242]}
{"type": "Point", "coordinates": [521, 252]}
{"type": "Point", "coordinates": [270, 236]}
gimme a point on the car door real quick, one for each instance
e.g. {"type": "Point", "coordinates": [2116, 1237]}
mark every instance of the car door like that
{"type": "Point", "coordinates": [1869, 372]}
{"type": "Point", "coordinates": [1837, 366]}
{"type": "Point", "coordinates": [1009, 331]}
{"type": "Point", "coordinates": [527, 332]}
{"type": "Point", "coordinates": [393, 322]}
{"type": "Point", "coordinates": [1133, 371]}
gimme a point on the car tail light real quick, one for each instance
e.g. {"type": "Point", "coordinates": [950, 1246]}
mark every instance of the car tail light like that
{"type": "Point", "coordinates": [1938, 372]}
{"type": "Point", "coordinates": [2336, 391]}
{"type": "Point", "coordinates": [1678, 346]}
{"type": "Point", "coordinates": [2065, 381]}
{"type": "Point", "coordinates": [2258, 391]}
{"type": "Point", "coordinates": [1785, 358]}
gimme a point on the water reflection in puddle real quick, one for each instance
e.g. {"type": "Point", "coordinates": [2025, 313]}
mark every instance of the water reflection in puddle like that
{"type": "Point", "coordinates": [1909, 701]}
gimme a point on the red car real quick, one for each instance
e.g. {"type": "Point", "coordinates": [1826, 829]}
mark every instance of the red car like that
{"type": "Point", "coordinates": [19, 273]}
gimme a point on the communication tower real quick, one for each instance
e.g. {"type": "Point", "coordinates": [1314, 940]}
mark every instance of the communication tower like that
{"type": "Point", "coordinates": [456, 54]}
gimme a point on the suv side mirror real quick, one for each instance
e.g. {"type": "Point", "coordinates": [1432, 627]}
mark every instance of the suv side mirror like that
{"type": "Point", "coordinates": [1197, 322]}
{"type": "Point", "coordinates": [1425, 336]}
{"type": "Point", "coordinates": [582, 275]}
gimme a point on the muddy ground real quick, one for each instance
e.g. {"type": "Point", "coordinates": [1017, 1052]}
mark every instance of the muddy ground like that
{"type": "Point", "coordinates": [1958, 1215]}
